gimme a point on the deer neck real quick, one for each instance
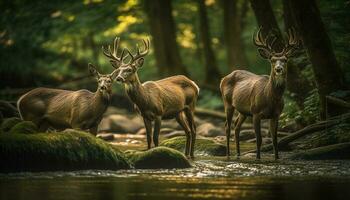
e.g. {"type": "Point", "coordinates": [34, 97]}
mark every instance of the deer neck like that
{"type": "Point", "coordinates": [276, 86]}
{"type": "Point", "coordinates": [101, 100]}
{"type": "Point", "coordinates": [135, 90]}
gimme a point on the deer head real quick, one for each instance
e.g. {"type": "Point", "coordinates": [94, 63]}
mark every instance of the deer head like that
{"type": "Point", "coordinates": [104, 81]}
{"type": "Point", "coordinates": [125, 70]}
{"type": "Point", "coordinates": [278, 60]}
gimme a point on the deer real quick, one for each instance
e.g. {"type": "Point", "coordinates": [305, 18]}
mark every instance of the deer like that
{"type": "Point", "coordinates": [258, 96]}
{"type": "Point", "coordinates": [62, 109]}
{"type": "Point", "coordinates": [168, 98]}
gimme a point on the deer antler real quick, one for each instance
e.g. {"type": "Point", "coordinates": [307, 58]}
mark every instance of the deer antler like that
{"type": "Point", "coordinates": [263, 43]}
{"type": "Point", "coordinates": [139, 53]}
{"type": "Point", "coordinates": [113, 56]}
{"type": "Point", "coordinates": [293, 43]}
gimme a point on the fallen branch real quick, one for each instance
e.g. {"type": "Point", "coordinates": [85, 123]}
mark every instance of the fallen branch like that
{"type": "Point", "coordinates": [319, 126]}
{"type": "Point", "coordinates": [209, 113]}
{"type": "Point", "coordinates": [338, 102]}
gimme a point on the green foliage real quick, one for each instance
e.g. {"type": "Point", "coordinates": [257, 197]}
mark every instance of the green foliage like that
{"type": "Point", "coordinates": [25, 127]}
{"type": "Point", "coordinates": [308, 115]}
{"type": "Point", "coordinates": [157, 158]}
{"type": "Point", "coordinates": [202, 146]}
{"type": "Point", "coordinates": [209, 99]}
{"type": "Point", "coordinates": [70, 150]}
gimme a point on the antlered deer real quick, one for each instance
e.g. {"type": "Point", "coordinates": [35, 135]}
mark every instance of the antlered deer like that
{"type": "Point", "coordinates": [172, 97]}
{"type": "Point", "coordinates": [61, 109]}
{"type": "Point", "coordinates": [259, 96]}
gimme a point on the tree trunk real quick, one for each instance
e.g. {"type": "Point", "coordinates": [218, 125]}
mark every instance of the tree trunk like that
{"type": "Point", "coordinates": [296, 83]}
{"type": "Point", "coordinates": [266, 19]}
{"type": "Point", "coordinates": [211, 70]}
{"type": "Point", "coordinates": [233, 26]}
{"type": "Point", "coordinates": [327, 72]}
{"type": "Point", "coordinates": [163, 32]}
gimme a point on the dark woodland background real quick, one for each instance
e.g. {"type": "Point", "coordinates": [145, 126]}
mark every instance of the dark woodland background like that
{"type": "Point", "coordinates": [50, 43]}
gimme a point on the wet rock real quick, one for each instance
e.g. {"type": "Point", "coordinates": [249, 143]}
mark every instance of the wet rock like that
{"type": "Point", "coordinates": [157, 158]}
{"type": "Point", "coordinates": [24, 127]}
{"type": "Point", "coordinates": [8, 123]}
{"type": "Point", "coordinates": [202, 146]}
{"type": "Point", "coordinates": [335, 151]}
{"type": "Point", "coordinates": [106, 136]}
{"type": "Point", "coordinates": [174, 134]}
{"type": "Point", "coordinates": [120, 124]}
{"type": "Point", "coordinates": [170, 124]}
{"type": "Point", "coordinates": [74, 150]}
{"type": "Point", "coordinates": [265, 140]}
{"type": "Point", "coordinates": [209, 130]}
{"type": "Point", "coordinates": [246, 134]}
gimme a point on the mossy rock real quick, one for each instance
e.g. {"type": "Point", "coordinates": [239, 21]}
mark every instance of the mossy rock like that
{"type": "Point", "coordinates": [202, 146]}
{"type": "Point", "coordinates": [61, 151]}
{"type": "Point", "coordinates": [24, 127]}
{"type": "Point", "coordinates": [335, 151]}
{"type": "Point", "coordinates": [8, 123]}
{"type": "Point", "coordinates": [157, 158]}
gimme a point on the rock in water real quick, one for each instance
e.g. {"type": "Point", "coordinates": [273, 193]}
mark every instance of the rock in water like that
{"type": "Point", "coordinates": [58, 151]}
{"type": "Point", "coordinates": [120, 124]}
{"type": "Point", "coordinates": [209, 130]}
{"type": "Point", "coordinates": [335, 151]}
{"type": "Point", "coordinates": [157, 158]}
{"type": "Point", "coordinates": [202, 146]}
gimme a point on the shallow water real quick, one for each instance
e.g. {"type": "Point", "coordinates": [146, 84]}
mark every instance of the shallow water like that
{"type": "Point", "coordinates": [213, 178]}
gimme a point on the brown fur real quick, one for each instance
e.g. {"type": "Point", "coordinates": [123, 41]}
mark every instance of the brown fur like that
{"type": "Point", "coordinates": [61, 109]}
{"type": "Point", "coordinates": [259, 96]}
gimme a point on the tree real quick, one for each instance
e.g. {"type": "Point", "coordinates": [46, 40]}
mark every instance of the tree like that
{"type": "Point", "coordinates": [162, 28]}
{"type": "Point", "coordinates": [327, 71]}
{"type": "Point", "coordinates": [265, 17]}
{"type": "Point", "coordinates": [211, 69]}
{"type": "Point", "coordinates": [296, 83]}
{"type": "Point", "coordinates": [233, 27]}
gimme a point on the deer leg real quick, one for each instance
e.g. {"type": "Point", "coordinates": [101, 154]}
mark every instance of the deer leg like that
{"type": "Point", "coordinates": [229, 114]}
{"type": "Point", "coordinates": [192, 125]}
{"type": "Point", "coordinates": [148, 126]}
{"type": "Point", "coordinates": [93, 130]}
{"type": "Point", "coordinates": [273, 131]}
{"type": "Point", "coordinates": [157, 124]}
{"type": "Point", "coordinates": [181, 120]}
{"type": "Point", "coordinates": [238, 123]}
{"type": "Point", "coordinates": [256, 123]}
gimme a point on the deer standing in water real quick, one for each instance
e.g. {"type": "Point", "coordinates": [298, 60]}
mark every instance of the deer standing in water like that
{"type": "Point", "coordinates": [172, 97]}
{"type": "Point", "coordinates": [61, 109]}
{"type": "Point", "coordinates": [259, 96]}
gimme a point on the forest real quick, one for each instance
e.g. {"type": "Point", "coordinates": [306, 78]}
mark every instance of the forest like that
{"type": "Point", "coordinates": [64, 45]}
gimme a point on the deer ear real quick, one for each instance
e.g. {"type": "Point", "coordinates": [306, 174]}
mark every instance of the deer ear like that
{"type": "Point", "coordinates": [264, 53]}
{"type": "Point", "coordinates": [139, 62]}
{"type": "Point", "coordinates": [93, 70]}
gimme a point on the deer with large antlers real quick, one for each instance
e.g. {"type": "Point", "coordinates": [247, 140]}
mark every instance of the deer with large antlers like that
{"type": "Point", "coordinates": [259, 96]}
{"type": "Point", "coordinates": [172, 97]}
{"type": "Point", "coordinates": [61, 109]}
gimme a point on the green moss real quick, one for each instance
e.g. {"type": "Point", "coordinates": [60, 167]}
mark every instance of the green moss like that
{"type": "Point", "coordinates": [73, 150]}
{"type": "Point", "coordinates": [157, 158]}
{"type": "Point", "coordinates": [335, 151]}
{"type": "Point", "coordinates": [24, 127]}
{"type": "Point", "coordinates": [202, 146]}
{"type": "Point", "coordinates": [8, 123]}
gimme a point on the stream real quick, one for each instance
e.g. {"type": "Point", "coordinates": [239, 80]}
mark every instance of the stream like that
{"type": "Point", "coordinates": [209, 178]}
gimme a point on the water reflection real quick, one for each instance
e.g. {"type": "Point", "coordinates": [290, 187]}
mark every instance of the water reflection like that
{"type": "Point", "coordinates": [208, 179]}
